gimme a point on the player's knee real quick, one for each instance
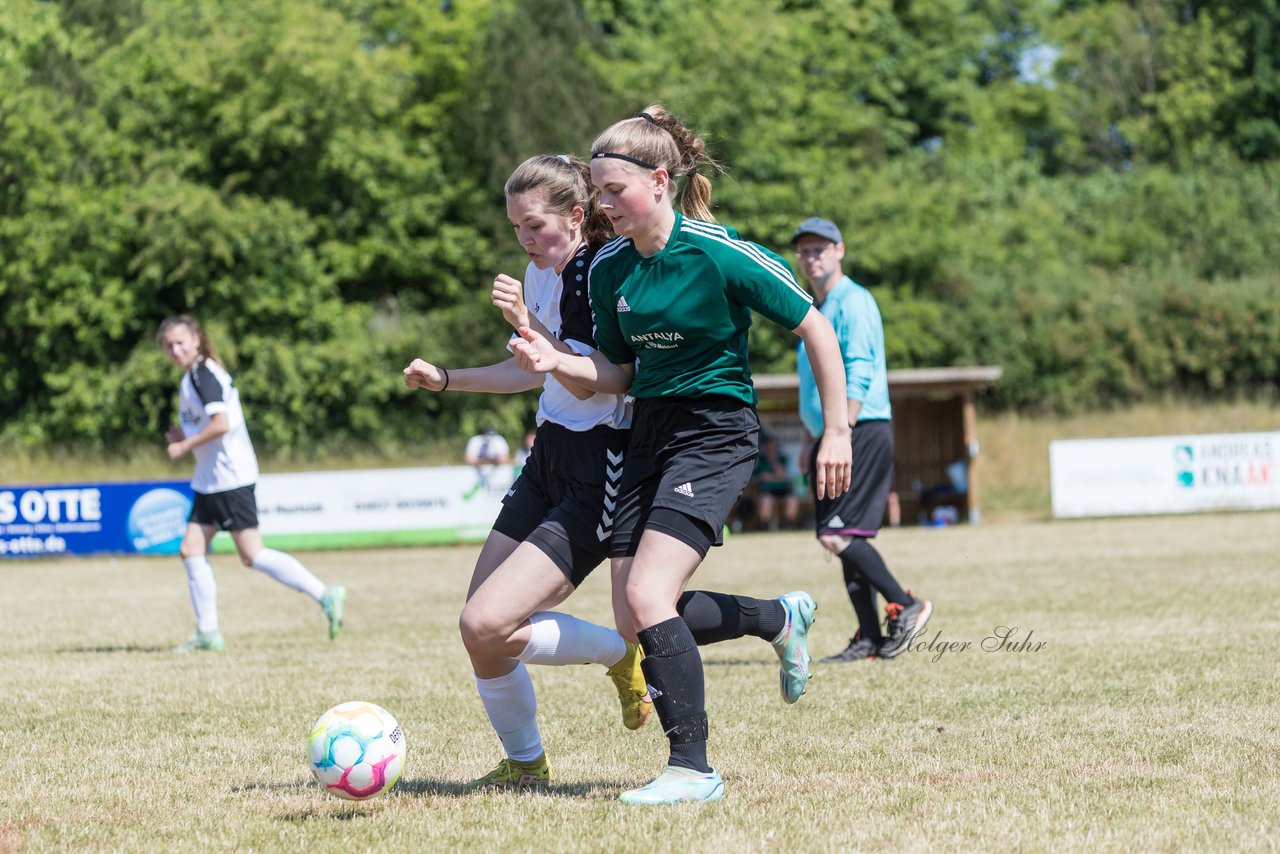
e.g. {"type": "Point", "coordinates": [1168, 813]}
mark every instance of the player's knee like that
{"type": "Point", "coordinates": [833, 543]}
{"type": "Point", "coordinates": [480, 631]}
{"type": "Point", "coordinates": [641, 606]}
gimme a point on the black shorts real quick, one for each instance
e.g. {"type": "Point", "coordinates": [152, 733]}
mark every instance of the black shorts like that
{"type": "Point", "coordinates": [233, 510]}
{"type": "Point", "coordinates": [860, 511]}
{"type": "Point", "coordinates": [562, 501]}
{"type": "Point", "coordinates": [693, 455]}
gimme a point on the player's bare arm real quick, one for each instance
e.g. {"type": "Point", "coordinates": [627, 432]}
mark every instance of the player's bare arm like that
{"type": "Point", "coordinates": [502, 378]}
{"type": "Point", "coordinates": [178, 448]}
{"type": "Point", "coordinates": [834, 465]}
{"type": "Point", "coordinates": [508, 296]}
{"type": "Point", "coordinates": [535, 353]}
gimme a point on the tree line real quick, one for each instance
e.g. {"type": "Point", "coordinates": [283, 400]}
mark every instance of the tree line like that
{"type": "Point", "coordinates": [1084, 192]}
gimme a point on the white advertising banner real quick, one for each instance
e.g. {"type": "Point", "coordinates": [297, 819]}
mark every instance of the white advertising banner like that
{"type": "Point", "coordinates": [1165, 474]}
{"type": "Point", "coordinates": [344, 508]}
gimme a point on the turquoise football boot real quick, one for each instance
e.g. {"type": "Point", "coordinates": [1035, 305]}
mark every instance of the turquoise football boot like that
{"type": "Point", "coordinates": [333, 601]}
{"type": "Point", "coordinates": [201, 642]}
{"type": "Point", "coordinates": [792, 645]}
{"type": "Point", "coordinates": [677, 786]}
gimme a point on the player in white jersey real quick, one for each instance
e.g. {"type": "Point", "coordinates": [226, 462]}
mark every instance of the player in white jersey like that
{"type": "Point", "coordinates": [212, 429]}
{"type": "Point", "coordinates": [556, 521]}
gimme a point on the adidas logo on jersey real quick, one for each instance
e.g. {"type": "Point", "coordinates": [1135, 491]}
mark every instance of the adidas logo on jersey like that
{"type": "Point", "coordinates": [622, 305]}
{"type": "Point", "coordinates": [685, 489]}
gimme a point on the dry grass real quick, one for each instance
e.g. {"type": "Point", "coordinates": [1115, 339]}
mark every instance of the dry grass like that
{"type": "Point", "coordinates": [1146, 722]}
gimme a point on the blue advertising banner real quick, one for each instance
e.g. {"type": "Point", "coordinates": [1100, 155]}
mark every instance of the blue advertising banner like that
{"type": "Point", "coordinates": [139, 518]}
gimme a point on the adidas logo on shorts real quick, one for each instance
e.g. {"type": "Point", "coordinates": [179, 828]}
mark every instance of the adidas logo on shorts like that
{"type": "Point", "coordinates": [835, 521]}
{"type": "Point", "coordinates": [622, 305]}
{"type": "Point", "coordinates": [685, 489]}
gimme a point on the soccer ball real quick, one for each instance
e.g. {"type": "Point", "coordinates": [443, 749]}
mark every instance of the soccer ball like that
{"type": "Point", "coordinates": [356, 750]}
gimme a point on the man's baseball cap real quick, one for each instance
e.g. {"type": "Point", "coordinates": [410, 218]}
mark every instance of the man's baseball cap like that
{"type": "Point", "coordinates": [819, 227]}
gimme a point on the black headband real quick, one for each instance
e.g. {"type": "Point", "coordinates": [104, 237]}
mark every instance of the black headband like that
{"type": "Point", "coordinates": [625, 157]}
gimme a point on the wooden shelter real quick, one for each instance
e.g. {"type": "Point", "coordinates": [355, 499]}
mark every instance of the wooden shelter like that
{"type": "Point", "coordinates": [934, 427]}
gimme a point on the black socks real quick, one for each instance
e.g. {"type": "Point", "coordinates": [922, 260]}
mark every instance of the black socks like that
{"type": "Point", "coordinates": [861, 558]}
{"type": "Point", "coordinates": [715, 617]}
{"type": "Point", "coordinates": [673, 669]}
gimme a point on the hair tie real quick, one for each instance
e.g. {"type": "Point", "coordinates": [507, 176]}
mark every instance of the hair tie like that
{"type": "Point", "coordinates": [625, 157]}
{"type": "Point", "coordinates": [563, 158]}
{"type": "Point", "coordinates": [446, 379]}
{"type": "Point", "coordinates": [648, 118]}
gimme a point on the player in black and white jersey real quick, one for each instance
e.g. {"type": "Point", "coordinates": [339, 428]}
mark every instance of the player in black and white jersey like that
{"type": "Point", "coordinates": [212, 429]}
{"type": "Point", "coordinates": [556, 520]}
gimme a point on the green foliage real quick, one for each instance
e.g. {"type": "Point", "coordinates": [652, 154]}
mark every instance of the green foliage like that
{"type": "Point", "coordinates": [1076, 343]}
{"type": "Point", "coordinates": [1151, 81]}
{"type": "Point", "coordinates": [533, 90]}
{"type": "Point", "coordinates": [321, 183]}
{"type": "Point", "coordinates": [256, 167]}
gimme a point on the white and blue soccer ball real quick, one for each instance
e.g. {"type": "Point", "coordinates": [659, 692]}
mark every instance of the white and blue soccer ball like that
{"type": "Point", "coordinates": [356, 750]}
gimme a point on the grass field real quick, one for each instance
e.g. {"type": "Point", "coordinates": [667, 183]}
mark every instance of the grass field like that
{"type": "Point", "coordinates": [1147, 720]}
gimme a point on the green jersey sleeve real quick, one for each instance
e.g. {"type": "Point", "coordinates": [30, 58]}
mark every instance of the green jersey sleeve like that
{"type": "Point", "coordinates": [762, 280]}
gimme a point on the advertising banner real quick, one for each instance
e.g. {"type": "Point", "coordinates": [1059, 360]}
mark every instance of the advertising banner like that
{"type": "Point", "coordinates": [381, 506]}
{"type": "Point", "coordinates": [89, 518]}
{"type": "Point", "coordinates": [1165, 474]}
{"type": "Point", "coordinates": [331, 509]}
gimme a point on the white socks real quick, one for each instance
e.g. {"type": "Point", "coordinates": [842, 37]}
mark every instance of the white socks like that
{"type": "Point", "coordinates": [513, 711]}
{"type": "Point", "coordinates": [556, 638]}
{"type": "Point", "coordinates": [204, 592]}
{"type": "Point", "coordinates": [289, 571]}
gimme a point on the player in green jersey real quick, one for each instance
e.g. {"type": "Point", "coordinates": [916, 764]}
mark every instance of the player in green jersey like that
{"type": "Point", "coordinates": [672, 298]}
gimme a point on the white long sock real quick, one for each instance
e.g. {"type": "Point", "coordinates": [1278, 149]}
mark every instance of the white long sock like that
{"type": "Point", "coordinates": [204, 592]}
{"type": "Point", "coordinates": [556, 638]}
{"type": "Point", "coordinates": [289, 571]}
{"type": "Point", "coordinates": [513, 710]}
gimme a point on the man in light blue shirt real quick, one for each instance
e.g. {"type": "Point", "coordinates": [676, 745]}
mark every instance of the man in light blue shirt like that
{"type": "Point", "coordinates": [847, 523]}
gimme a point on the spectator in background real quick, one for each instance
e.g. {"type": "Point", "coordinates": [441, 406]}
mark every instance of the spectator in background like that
{"type": "Point", "coordinates": [938, 503]}
{"type": "Point", "coordinates": [846, 523]}
{"type": "Point", "coordinates": [774, 484]}
{"type": "Point", "coordinates": [487, 448]}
